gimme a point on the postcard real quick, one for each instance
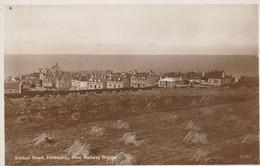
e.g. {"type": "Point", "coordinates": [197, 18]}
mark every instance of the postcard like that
{"type": "Point", "coordinates": [130, 84]}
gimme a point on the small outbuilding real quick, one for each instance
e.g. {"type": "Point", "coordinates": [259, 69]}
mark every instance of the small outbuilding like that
{"type": "Point", "coordinates": [12, 87]}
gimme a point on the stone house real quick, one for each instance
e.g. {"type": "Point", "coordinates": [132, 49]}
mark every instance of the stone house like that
{"type": "Point", "coordinates": [12, 87]}
{"type": "Point", "coordinates": [142, 80]}
{"type": "Point", "coordinates": [97, 82]}
{"type": "Point", "coordinates": [215, 78]}
{"type": "Point", "coordinates": [118, 81]}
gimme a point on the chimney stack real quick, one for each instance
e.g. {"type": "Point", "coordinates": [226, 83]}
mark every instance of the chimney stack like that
{"type": "Point", "coordinates": [203, 73]}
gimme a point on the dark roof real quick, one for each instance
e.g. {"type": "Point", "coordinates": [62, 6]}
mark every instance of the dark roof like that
{"type": "Point", "coordinates": [194, 74]}
{"type": "Point", "coordinates": [97, 78]}
{"type": "Point", "coordinates": [128, 75]}
{"type": "Point", "coordinates": [187, 75]}
{"type": "Point", "coordinates": [116, 77]}
{"type": "Point", "coordinates": [172, 75]}
{"type": "Point", "coordinates": [140, 75]}
{"type": "Point", "coordinates": [84, 78]}
{"type": "Point", "coordinates": [11, 85]}
{"type": "Point", "coordinates": [214, 74]}
{"type": "Point", "coordinates": [56, 67]}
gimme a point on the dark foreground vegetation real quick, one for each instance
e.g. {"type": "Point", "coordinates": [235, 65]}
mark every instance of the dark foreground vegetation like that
{"type": "Point", "coordinates": [217, 125]}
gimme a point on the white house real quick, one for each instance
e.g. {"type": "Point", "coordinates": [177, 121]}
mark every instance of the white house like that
{"type": "Point", "coordinates": [167, 82]}
{"type": "Point", "coordinates": [79, 85]}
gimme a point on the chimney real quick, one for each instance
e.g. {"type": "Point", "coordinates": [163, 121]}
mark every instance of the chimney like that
{"type": "Point", "coordinates": [20, 88]}
{"type": "Point", "coordinates": [135, 71]}
{"type": "Point", "coordinates": [203, 73]}
{"type": "Point", "coordinates": [223, 74]}
{"type": "Point", "coordinates": [151, 72]}
{"type": "Point", "coordinates": [57, 64]}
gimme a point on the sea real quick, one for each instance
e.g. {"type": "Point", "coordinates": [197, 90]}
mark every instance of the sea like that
{"type": "Point", "coordinates": [239, 65]}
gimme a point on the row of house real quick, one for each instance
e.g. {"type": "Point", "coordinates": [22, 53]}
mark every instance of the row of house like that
{"type": "Point", "coordinates": [102, 82]}
{"type": "Point", "coordinates": [142, 80]}
{"type": "Point", "coordinates": [114, 81]}
{"type": "Point", "coordinates": [213, 78]}
{"type": "Point", "coordinates": [55, 78]}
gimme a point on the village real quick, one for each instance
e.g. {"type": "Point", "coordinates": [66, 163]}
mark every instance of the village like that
{"type": "Point", "coordinates": [55, 79]}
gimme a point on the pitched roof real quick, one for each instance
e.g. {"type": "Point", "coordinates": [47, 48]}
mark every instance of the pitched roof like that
{"type": "Point", "coordinates": [194, 73]}
{"type": "Point", "coordinates": [171, 75]}
{"type": "Point", "coordinates": [168, 79]}
{"type": "Point", "coordinates": [116, 77]}
{"type": "Point", "coordinates": [11, 85]}
{"type": "Point", "coordinates": [145, 75]}
{"type": "Point", "coordinates": [128, 75]}
{"type": "Point", "coordinates": [56, 67]}
{"type": "Point", "coordinates": [97, 78]}
{"type": "Point", "coordinates": [214, 74]}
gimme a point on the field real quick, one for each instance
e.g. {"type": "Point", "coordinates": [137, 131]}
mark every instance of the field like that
{"type": "Point", "coordinates": [217, 125]}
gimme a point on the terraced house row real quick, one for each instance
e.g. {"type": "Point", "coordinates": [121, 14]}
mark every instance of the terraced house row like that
{"type": "Point", "coordinates": [55, 78]}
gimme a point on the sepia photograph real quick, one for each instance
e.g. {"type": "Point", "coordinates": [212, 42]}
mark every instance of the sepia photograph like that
{"type": "Point", "coordinates": [139, 84]}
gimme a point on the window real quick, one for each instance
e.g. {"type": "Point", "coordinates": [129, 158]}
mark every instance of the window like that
{"type": "Point", "coordinates": [110, 85]}
{"type": "Point", "coordinates": [143, 78]}
{"type": "Point", "coordinates": [11, 91]}
{"type": "Point", "coordinates": [118, 86]}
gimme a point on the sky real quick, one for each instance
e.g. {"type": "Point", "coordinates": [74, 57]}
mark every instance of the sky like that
{"type": "Point", "coordinates": [134, 29]}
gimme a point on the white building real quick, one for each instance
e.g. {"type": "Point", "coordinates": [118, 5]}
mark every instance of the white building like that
{"type": "Point", "coordinates": [167, 82]}
{"type": "Point", "coordinates": [79, 85]}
